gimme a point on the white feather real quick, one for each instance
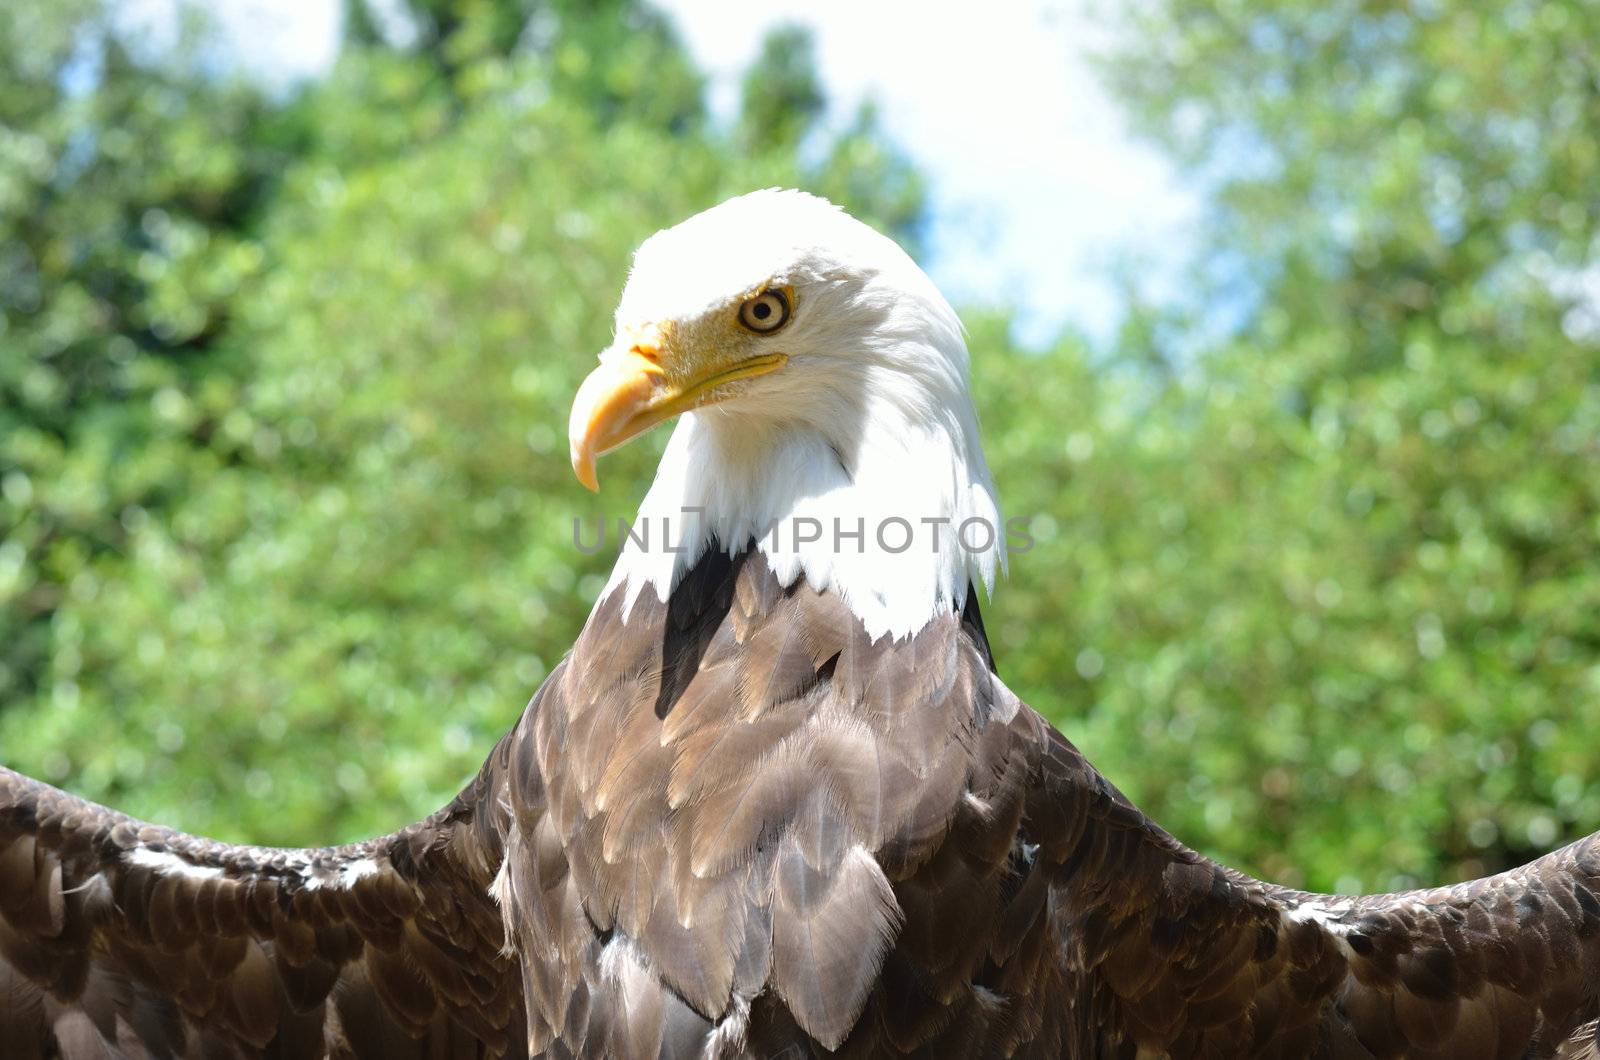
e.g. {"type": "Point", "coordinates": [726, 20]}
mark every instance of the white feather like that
{"type": "Point", "coordinates": [169, 864]}
{"type": "Point", "coordinates": [356, 871]}
{"type": "Point", "coordinates": [728, 1038]}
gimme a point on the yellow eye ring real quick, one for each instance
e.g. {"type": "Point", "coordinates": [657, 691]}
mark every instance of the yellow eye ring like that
{"type": "Point", "coordinates": [766, 312]}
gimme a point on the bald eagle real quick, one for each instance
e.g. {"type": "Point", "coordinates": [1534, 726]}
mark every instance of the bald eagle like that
{"type": "Point", "coordinates": [775, 801]}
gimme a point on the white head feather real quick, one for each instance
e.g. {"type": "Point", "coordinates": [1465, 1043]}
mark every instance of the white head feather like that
{"type": "Point", "coordinates": [870, 424]}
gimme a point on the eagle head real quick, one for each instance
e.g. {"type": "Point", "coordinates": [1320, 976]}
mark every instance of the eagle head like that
{"type": "Point", "coordinates": [820, 378]}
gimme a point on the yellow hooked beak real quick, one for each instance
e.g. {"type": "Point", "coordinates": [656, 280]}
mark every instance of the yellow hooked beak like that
{"type": "Point", "coordinates": [636, 388]}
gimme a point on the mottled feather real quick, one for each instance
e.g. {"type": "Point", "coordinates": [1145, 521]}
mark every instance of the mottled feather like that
{"type": "Point", "coordinates": [737, 825]}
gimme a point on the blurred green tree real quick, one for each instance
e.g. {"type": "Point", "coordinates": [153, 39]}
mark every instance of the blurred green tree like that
{"type": "Point", "coordinates": [374, 562]}
{"type": "Point", "coordinates": [284, 377]}
{"type": "Point", "coordinates": [620, 57]}
{"type": "Point", "coordinates": [1335, 587]}
{"type": "Point", "coordinates": [782, 97]}
{"type": "Point", "coordinates": [129, 192]}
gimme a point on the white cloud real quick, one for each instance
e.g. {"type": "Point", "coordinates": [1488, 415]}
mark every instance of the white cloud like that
{"type": "Point", "coordinates": [1037, 186]}
{"type": "Point", "coordinates": [278, 41]}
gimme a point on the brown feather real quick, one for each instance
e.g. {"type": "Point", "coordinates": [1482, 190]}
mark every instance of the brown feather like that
{"type": "Point", "coordinates": [738, 820]}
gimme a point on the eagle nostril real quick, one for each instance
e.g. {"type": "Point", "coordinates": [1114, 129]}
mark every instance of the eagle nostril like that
{"type": "Point", "coordinates": [648, 346]}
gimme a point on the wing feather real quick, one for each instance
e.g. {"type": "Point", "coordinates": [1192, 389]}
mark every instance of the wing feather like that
{"type": "Point", "coordinates": [1193, 957]}
{"type": "Point", "coordinates": [737, 825]}
{"type": "Point", "coordinates": [122, 938]}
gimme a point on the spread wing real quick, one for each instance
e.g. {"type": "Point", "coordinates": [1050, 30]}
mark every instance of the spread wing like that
{"type": "Point", "coordinates": [737, 825]}
{"type": "Point", "coordinates": [1167, 952]}
{"type": "Point", "coordinates": [745, 827]}
{"type": "Point", "coordinates": [120, 938]}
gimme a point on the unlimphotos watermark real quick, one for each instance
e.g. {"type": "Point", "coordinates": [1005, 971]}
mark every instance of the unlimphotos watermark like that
{"type": "Point", "coordinates": [893, 535]}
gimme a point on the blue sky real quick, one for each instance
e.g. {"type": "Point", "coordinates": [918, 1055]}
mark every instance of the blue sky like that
{"type": "Point", "coordinates": [1039, 193]}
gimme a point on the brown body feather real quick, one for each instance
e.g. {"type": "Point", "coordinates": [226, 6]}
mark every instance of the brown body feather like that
{"type": "Point", "coordinates": [734, 825]}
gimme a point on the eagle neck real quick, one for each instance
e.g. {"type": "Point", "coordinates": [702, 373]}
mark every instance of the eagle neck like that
{"type": "Point", "coordinates": [901, 523]}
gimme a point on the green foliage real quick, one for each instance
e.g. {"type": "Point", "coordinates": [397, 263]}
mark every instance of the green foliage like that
{"type": "Point", "coordinates": [617, 56]}
{"type": "Point", "coordinates": [782, 95]}
{"type": "Point", "coordinates": [1343, 572]}
{"type": "Point", "coordinates": [119, 261]}
{"type": "Point", "coordinates": [371, 561]}
{"type": "Point", "coordinates": [286, 512]}
{"type": "Point", "coordinates": [1353, 649]}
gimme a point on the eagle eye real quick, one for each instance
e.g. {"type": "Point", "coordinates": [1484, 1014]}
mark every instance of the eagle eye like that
{"type": "Point", "coordinates": [766, 312]}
